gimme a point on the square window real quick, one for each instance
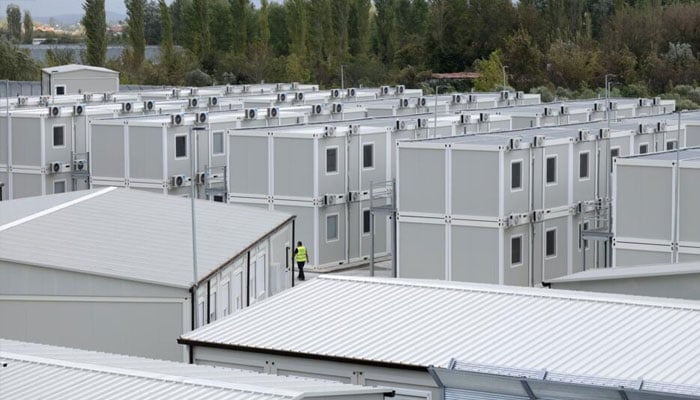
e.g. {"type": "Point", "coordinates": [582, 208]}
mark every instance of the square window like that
{"type": "Point", "coordinates": [552, 169]}
{"type": "Point", "coordinates": [59, 187]}
{"type": "Point", "coordinates": [516, 175]}
{"type": "Point", "coordinates": [643, 148]}
{"type": "Point", "coordinates": [218, 198]}
{"type": "Point", "coordinates": [551, 243]}
{"type": "Point", "coordinates": [331, 227]}
{"type": "Point", "coordinates": [366, 221]}
{"type": "Point", "coordinates": [59, 136]}
{"type": "Point", "coordinates": [60, 90]}
{"type": "Point", "coordinates": [331, 160]}
{"type": "Point", "coordinates": [217, 143]}
{"type": "Point", "coordinates": [671, 145]}
{"type": "Point", "coordinates": [516, 250]}
{"type": "Point", "coordinates": [583, 165]}
{"type": "Point", "coordinates": [368, 156]}
{"type": "Point", "coordinates": [614, 153]}
{"type": "Point", "coordinates": [180, 146]}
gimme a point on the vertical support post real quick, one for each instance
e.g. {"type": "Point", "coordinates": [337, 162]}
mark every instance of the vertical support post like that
{"type": "Point", "coordinates": [195, 275]}
{"type": "Point", "coordinates": [371, 228]}
{"type": "Point", "coordinates": [394, 225]}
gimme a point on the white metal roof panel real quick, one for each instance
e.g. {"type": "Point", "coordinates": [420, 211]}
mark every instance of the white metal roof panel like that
{"type": "Point", "coordinates": [12, 210]}
{"type": "Point", "coordinates": [76, 67]}
{"type": "Point", "coordinates": [424, 323]}
{"type": "Point", "coordinates": [643, 271]}
{"type": "Point", "coordinates": [231, 381]}
{"type": "Point", "coordinates": [136, 235]}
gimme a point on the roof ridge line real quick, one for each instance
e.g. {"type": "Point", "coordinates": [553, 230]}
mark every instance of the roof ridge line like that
{"type": "Point", "coordinates": [53, 209]}
{"type": "Point", "coordinates": [137, 373]}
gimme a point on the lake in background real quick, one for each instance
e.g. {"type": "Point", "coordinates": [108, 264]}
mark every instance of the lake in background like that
{"type": "Point", "coordinates": [38, 52]}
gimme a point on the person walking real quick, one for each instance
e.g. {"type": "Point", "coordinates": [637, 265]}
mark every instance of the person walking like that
{"type": "Point", "coordinates": [301, 256]}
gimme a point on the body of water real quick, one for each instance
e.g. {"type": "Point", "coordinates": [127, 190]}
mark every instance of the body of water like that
{"type": "Point", "coordinates": [38, 52]}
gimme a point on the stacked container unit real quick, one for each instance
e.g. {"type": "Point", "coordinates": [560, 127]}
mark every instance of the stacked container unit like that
{"type": "Point", "coordinates": [655, 208]}
{"type": "Point", "coordinates": [322, 175]}
{"type": "Point", "coordinates": [507, 208]}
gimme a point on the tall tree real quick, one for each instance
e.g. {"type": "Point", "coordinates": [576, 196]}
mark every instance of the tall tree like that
{"type": "Point", "coordinates": [14, 22]}
{"type": "Point", "coordinates": [28, 27]}
{"type": "Point", "coordinates": [239, 10]}
{"type": "Point", "coordinates": [201, 45]}
{"type": "Point", "coordinates": [167, 46]}
{"type": "Point", "coordinates": [297, 26]}
{"type": "Point", "coordinates": [385, 42]}
{"type": "Point", "coordinates": [95, 24]}
{"type": "Point", "coordinates": [136, 32]}
{"type": "Point", "coordinates": [264, 21]}
{"type": "Point", "coordinates": [152, 23]}
{"type": "Point", "coordinates": [359, 27]}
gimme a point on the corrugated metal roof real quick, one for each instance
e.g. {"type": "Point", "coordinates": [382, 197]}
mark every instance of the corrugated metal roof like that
{"type": "Point", "coordinates": [644, 271]}
{"type": "Point", "coordinates": [424, 323]}
{"type": "Point", "coordinates": [38, 371]}
{"type": "Point", "coordinates": [136, 235]}
{"type": "Point", "coordinates": [686, 154]}
{"type": "Point", "coordinates": [76, 67]}
{"type": "Point", "coordinates": [12, 210]}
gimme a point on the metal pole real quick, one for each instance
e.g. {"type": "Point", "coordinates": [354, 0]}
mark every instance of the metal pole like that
{"type": "Point", "coordinates": [195, 275]}
{"type": "Point", "coordinates": [394, 263]}
{"type": "Point", "coordinates": [371, 228]}
{"type": "Point", "coordinates": [7, 121]}
{"type": "Point", "coordinates": [342, 77]}
{"type": "Point", "coordinates": [505, 82]}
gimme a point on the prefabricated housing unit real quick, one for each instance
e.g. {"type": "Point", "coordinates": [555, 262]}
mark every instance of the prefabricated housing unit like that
{"type": "Point", "coordinates": [397, 332]}
{"type": "Point", "coordinates": [655, 217]}
{"type": "Point", "coordinates": [111, 269]}
{"type": "Point", "coordinates": [40, 371]}
{"type": "Point", "coordinates": [511, 207]}
{"type": "Point", "coordinates": [77, 79]}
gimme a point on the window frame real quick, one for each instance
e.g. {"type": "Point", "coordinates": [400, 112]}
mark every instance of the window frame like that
{"type": "Point", "coordinates": [520, 187]}
{"type": "Point", "coordinates": [588, 165]}
{"type": "Point", "coordinates": [65, 185]}
{"type": "Point", "coordinates": [225, 294]}
{"type": "Point", "coordinates": [369, 231]}
{"type": "Point", "coordinates": [337, 227]}
{"type": "Point", "coordinates": [519, 263]}
{"type": "Point", "coordinates": [223, 144]}
{"type": "Point", "coordinates": [675, 141]}
{"type": "Point", "coordinates": [639, 149]}
{"type": "Point", "coordinates": [212, 308]}
{"type": "Point", "coordinates": [55, 89]}
{"type": "Point", "coordinates": [187, 151]}
{"type": "Point", "coordinates": [367, 144]}
{"type": "Point", "coordinates": [53, 136]}
{"type": "Point", "coordinates": [619, 149]}
{"type": "Point", "coordinates": [555, 157]}
{"type": "Point", "coordinates": [337, 160]}
{"type": "Point", "coordinates": [548, 256]}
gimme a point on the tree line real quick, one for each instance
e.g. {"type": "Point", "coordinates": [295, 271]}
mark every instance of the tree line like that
{"type": "Point", "coordinates": [561, 48]}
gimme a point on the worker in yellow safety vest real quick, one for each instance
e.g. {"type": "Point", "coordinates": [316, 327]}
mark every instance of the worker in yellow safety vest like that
{"type": "Point", "coordinates": [301, 256]}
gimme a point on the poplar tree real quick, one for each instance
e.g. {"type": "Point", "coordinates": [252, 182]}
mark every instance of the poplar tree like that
{"type": "Point", "coordinates": [95, 24]}
{"type": "Point", "coordinates": [28, 27]}
{"type": "Point", "coordinates": [14, 22]}
{"type": "Point", "coordinates": [136, 32]}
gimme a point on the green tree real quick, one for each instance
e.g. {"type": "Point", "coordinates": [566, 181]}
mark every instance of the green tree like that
{"type": "Point", "coordinates": [264, 22]}
{"type": "Point", "coordinates": [14, 22]}
{"type": "Point", "coordinates": [201, 43]}
{"type": "Point", "coordinates": [167, 46]}
{"type": "Point", "coordinates": [152, 23]}
{"type": "Point", "coordinates": [28, 27]}
{"type": "Point", "coordinates": [59, 56]}
{"type": "Point", "coordinates": [359, 27]}
{"type": "Point", "coordinates": [16, 64]}
{"type": "Point", "coordinates": [490, 72]}
{"type": "Point", "coordinates": [223, 30]}
{"type": "Point", "coordinates": [525, 61]}
{"type": "Point", "coordinates": [297, 29]}
{"type": "Point", "coordinates": [95, 25]}
{"type": "Point", "coordinates": [136, 32]}
{"type": "Point", "coordinates": [279, 32]}
{"type": "Point", "coordinates": [239, 9]}
{"type": "Point", "coordinates": [385, 21]}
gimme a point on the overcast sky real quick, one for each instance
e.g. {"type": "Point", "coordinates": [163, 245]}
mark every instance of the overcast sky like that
{"type": "Point", "coordinates": [47, 8]}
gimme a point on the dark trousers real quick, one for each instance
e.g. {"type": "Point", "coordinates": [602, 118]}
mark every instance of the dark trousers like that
{"type": "Point", "coordinates": [300, 265]}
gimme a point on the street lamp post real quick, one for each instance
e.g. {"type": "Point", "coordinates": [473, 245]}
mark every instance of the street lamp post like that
{"type": "Point", "coordinates": [607, 97]}
{"type": "Point", "coordinates": [437, 90]}
{"type": "Point", "coordinates": [505, 82]}
{"type": "Point", "coordinates": [342, 77]}
{"type": "Point", "coordinates": [193, 138]}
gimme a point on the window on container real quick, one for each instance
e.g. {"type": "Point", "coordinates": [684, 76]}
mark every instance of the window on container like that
{"type": "Point", "coordinates": [331, 227]}
{"type": "Point", "coordinates": [671, 144]}
{"type": "Point", "coordinates": [368, 155]}
{"type": "Point", "coordinates": [251, 281]}
{"type": "Point", "coordinates": [59, 136]}
{"type": "Point", "coordinates": [516, 250]}
{"type": "Point", "coordinates": [366, 222]}
{"type": "Point", "coordinates": [584, 165]}
{"type": "Point", "coordinates": [614, 153]}
{"type": "Point", "coordinates": [200, 312]}
{"type": "Point", "coordinates": [217, 143]}
{"type": "Point", "coordinates": [212, 307]}
{"type": "Point", "coordinates": [516, 175]}
{"type": "Point", "coordinates": [218, 198]}
{"type": "Point", "coordinates": [181, 146]}
{"type": "Point", "coordinates": [225, 298]}
{"type": "Point", "coordinates": [60, 90]}
{"type": "Point", "coordinates": [331, 160]}
{"type": "Point", "coordinates": [551, 243]}
{"type": "Point", "coordinates": [552, 170]}
{"type": "Point", "coordinates": [643, 148]}
{"type": "Point", "coordinates": [59, 186]}
{"type": "Point", "coordinates": [260, 277]}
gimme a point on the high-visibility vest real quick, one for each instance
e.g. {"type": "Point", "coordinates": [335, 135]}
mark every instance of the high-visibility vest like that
{"type": "Point", "coordinates": [301, 254]}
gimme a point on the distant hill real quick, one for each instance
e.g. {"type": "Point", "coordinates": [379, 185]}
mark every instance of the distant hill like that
{"type": "Point", "coordinates": [70, 19]}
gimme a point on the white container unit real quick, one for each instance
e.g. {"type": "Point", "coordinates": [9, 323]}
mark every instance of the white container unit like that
{"type": "Point", "coordinates": [320, 173]}
{"type": "Point", "coordinates": [507, 208]}
{"type": "Point", "coordinates": [662, 187]}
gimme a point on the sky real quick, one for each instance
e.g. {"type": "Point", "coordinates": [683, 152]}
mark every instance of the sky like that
{"type": "Point", "coordinates": [48, 8]}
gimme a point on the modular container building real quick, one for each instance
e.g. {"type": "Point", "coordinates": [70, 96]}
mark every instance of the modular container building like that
{"type": "Point", "coordinates": [399, 332]}
{"type": "Point", "coordinates": [40, 371]}
{"type": "Point", "coordinates": [659, 280]}
{"type": "Point", "coordinates": [514, 207]}
{"type": "Point", "coordinates": [667, 183]}
{"type": "Point", "coordinates": [112, 269]}
{"type": "Point", "coordinates": [77, 79]}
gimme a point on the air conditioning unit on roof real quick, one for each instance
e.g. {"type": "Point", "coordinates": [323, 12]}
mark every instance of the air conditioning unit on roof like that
{"type": "Point", "coordinates": [281, 97]}
{"type": "Point", "coordinates": [201, 118]}
{"type": "Point", "coordinates": [328, 131]}
{"type": "Point", "coordinates": [78, 109]}
{"type": "Point", "coordinates": [177, 119]}
{"type": "Point", "coordinates": [352, 92]}
{"type": "Point", "coordinates": [403, 103]}
{"type": "Point", "coordinates": [400, 89]}
{"type": "Point", "coordinates": [583, 135]}
{"type": "Point", "coordinates": [337, 108]}
{"type": "Point", "coordinates": [273, 112]}
{"type": "Point", "coordinates": [484, 117]}
{"type": "Point", "coordinates": [250, 113]}
{"type": "Point", "coordinates": [421, 102]}
{"type": "Point", "coordinates": [335, 93]}
{"type": "Point", "coordinates": [538, 141]}
{"type": "Point", "coordinates": [316, 109]}
{"type": "Point", "coordinates": [149, 105]}
{"type": "Point", "coordinates": [514, 143]}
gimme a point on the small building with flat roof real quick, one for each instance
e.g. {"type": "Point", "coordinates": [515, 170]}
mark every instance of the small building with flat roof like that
{"type": "Point", "coordinates": [77, 78]}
